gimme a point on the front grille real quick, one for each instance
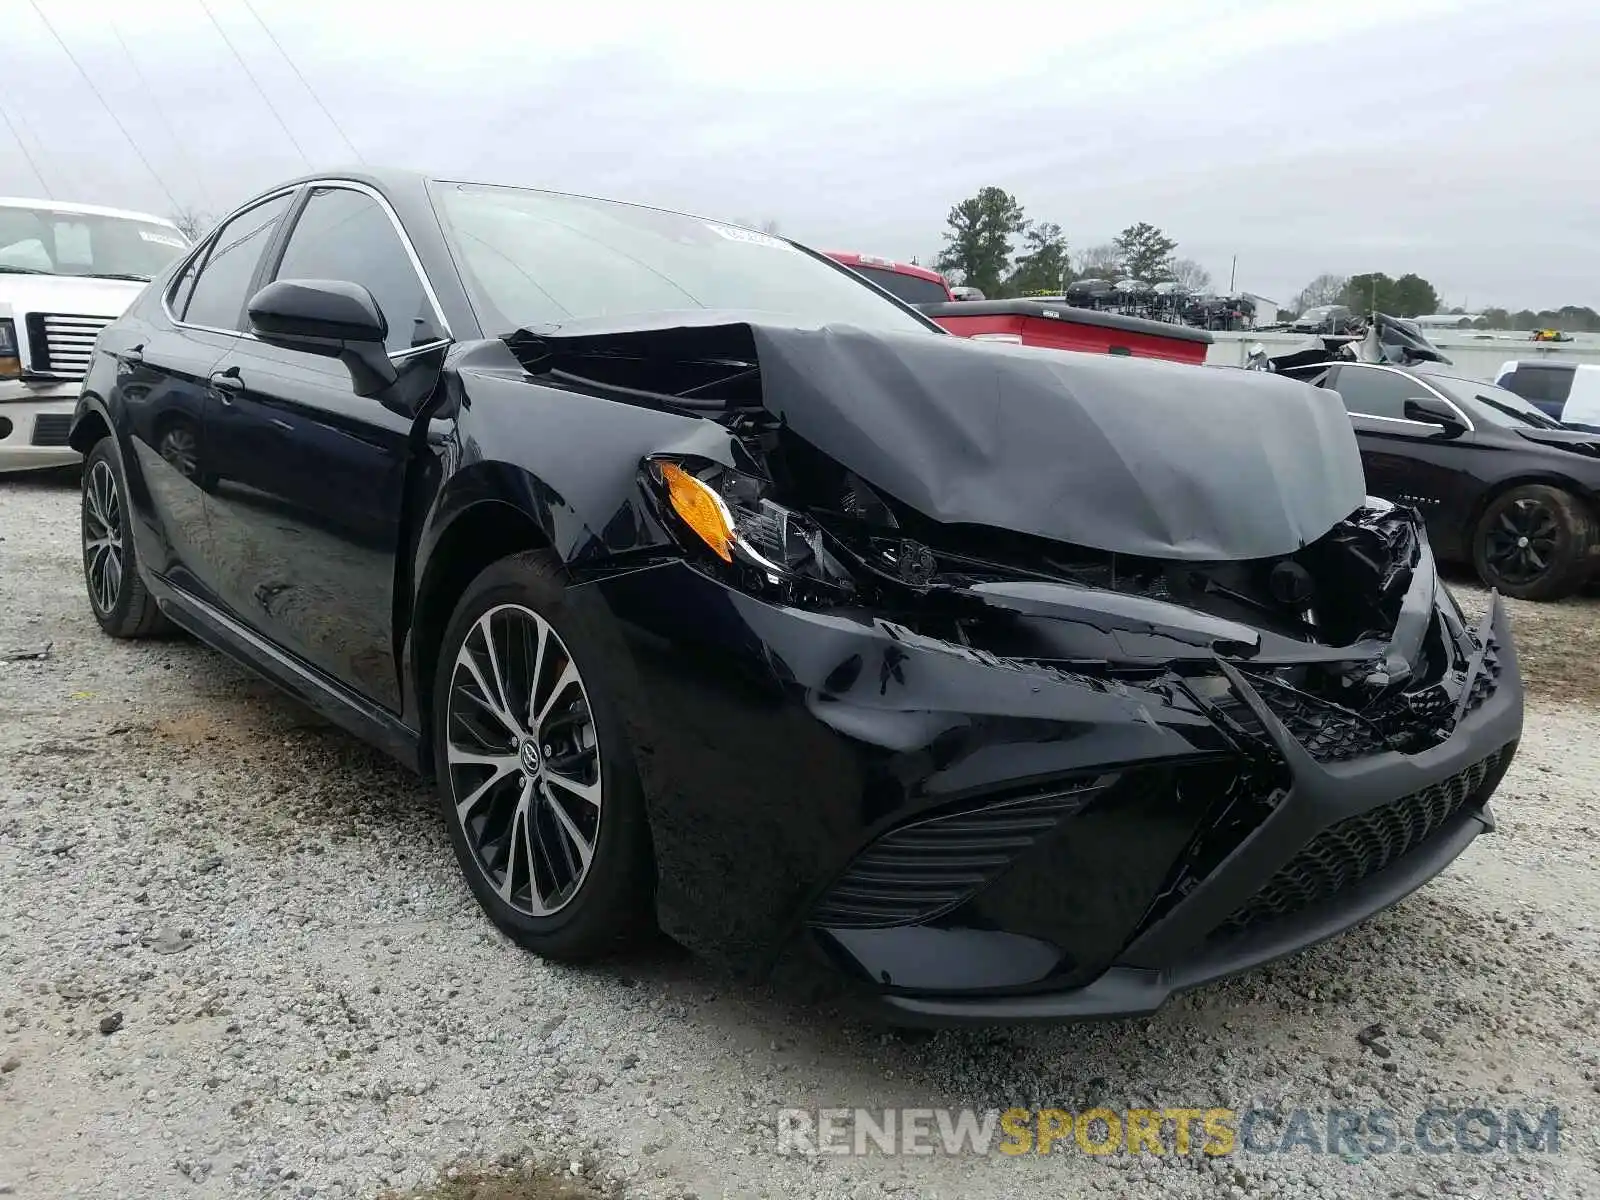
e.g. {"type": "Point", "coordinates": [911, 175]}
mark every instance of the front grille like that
{"type": "Point", "coordinates": [51, 429]}
{"type": "Point", "coordinates": [61, 343]}
{"type": "Point", "coordinates": [1328, 732]}
{"type": "Point", "coordinates": [920, 870]}
{"type": "Point", "coordinates": [1362, 845]}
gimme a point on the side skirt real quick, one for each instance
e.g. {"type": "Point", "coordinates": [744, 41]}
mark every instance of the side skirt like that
{"type": "Point", "coordinates": [328, 698]}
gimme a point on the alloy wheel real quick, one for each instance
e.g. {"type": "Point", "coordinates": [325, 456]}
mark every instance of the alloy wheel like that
{"type": "Point", "coordinates": [523, 759]}
{"type": "Point", "coordinates": [1522, 542]}
{"type": "Point", "coordinates": [102, 536]}
{"type": "Point", "coordinates": [182, 452]}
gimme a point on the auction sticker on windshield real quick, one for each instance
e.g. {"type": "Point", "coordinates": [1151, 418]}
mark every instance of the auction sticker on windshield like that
{"type": "Point", "coordinates": [734, 234]}
{"type": "Point", "coordinates": [164, 239]}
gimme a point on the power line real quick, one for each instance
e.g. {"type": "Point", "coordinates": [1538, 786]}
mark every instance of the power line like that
{"type": "Point", "coordinates": [21, 145]}
{"type": "Point", "coordinates": [65, 49]}
{"type": "Point", "coordinates": [303, 83]}
{"type": "Point", "coordinates": [172, 133]}
{"type": "Point", "coordinates": [259, 91]}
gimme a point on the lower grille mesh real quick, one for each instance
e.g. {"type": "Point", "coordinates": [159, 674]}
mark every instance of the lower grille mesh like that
{"type": "Point", "coordinates": [1328, 732]}
{"type": "Point", "coordinates": [51, 429]}
{"type": "Point", "coordinates": [1362, 845]}
{"type": "Point", "coordinates": [920, 870]}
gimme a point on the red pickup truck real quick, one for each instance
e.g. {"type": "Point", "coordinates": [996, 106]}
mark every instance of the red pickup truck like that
{"type": "Point", "coordinates": [911, 283]}
{"type": "Point", "coordinates": [1032, 322]}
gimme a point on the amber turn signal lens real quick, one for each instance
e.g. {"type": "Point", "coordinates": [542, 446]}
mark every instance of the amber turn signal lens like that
{"type": "Point", "coordinates": [701, 509]}
{"type": "Point", "coordinates": [10, 368]}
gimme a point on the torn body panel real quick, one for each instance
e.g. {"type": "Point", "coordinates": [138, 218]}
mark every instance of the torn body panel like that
{"type": "Point", "coordinates": [957, 731]}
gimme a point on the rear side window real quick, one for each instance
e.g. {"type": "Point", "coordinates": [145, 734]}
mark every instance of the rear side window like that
{"type": "Point", "coordinates": [217, 295]}
{"type": "Point", "coordinates": [1372, 393]}
{"type": "Point", "coordinates": [1547, 387]}
{"type": "Point", "coordinates": [345, 234]}
{"type": "Point", "coordinates": [910, 288]}
{"type": "Point", "coordinates": [178, 297]}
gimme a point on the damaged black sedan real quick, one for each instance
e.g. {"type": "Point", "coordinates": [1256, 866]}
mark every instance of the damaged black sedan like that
{"type": "Point", "coordinates": [722, 591]}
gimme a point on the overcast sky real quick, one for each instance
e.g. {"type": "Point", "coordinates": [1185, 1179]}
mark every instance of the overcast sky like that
{"type": "Point", "coordinates": [1458, 140]}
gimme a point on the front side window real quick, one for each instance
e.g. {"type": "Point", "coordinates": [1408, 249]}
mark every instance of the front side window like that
{"type": "Point", "coordinates": [347, 235]}
{"type": "Point", "coordinates": [47, 241]}
{"type": "Point", "coordinates": [218, 294]}
{"type": "Point", "coordinates": [540, 258]}
{"type": "Point", "coordinates": [1372, 393]}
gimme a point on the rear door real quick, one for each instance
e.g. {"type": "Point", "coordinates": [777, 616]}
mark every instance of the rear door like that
{"type": "Point", "coordinates": [163, 379]}
{"type": "Point", "coordinates": [307, 525]}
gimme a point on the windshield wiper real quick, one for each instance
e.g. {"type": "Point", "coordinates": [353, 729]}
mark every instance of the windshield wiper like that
{"type": "Point", "coordinates": [114, 275]}
{"type": "Point", "coordinates": [1516, 414]}
{"type": "Point", "coordinates": [23, 270]}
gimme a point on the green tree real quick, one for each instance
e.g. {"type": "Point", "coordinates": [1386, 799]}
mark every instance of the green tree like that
{"type": "Point", "coordinates": [1524, 318]}
{"type": "Point", "coordinates": [1496, 318]}
{"type": "Point", "coordinates": [1573, 318]}
{"type": "Point", "coordinates": [978, 242]}
{"type": "Point", "coordinates": [1408, 296]}
{"type": "Point", "coordinates": [1414, 296]}
{"type": "Point", "coordinates": [1372, 292]}
{"type": "Point", "coordinates": [1042, 265]}
{"type": "Point", "coordinates": [1144, 252]}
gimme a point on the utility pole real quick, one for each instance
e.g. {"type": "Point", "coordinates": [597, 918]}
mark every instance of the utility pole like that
{"type": "Point", "coordinates": [1233, 274]}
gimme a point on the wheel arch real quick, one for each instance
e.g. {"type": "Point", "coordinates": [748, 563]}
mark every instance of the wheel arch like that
{"type": "Point", "coordinates": [90, 423]}
{"type": "Point", "coordinates": [466, 535]}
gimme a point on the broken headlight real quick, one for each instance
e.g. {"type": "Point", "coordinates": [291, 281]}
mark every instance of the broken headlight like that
{"type": "Point", "coordinates": [725, 518]}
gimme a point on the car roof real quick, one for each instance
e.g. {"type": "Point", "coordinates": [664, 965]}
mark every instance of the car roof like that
{"type": "Point", "coordinates": [88, 210]}
{"type": "Point", "coordinates": [407, 190]}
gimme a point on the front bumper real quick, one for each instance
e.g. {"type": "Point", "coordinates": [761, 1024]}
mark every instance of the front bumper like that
{"type": "Point", "coordinates": [34, 422]}
{"type": "Point", "coordinates": [814, 779]}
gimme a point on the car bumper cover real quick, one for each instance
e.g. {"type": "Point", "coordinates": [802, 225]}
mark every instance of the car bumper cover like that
{"type": "Point", "coordinates": [964, 838]}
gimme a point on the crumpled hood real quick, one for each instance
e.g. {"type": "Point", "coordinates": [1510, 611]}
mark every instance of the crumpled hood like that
{"type": "Point", "coordinates": [1125, 455]}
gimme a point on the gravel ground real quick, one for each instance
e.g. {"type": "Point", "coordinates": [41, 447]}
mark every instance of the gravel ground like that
{"type": "Point", "coordinates": [302, 999]}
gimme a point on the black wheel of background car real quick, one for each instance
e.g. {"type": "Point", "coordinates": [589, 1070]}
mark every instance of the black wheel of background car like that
{"type": "Point", "coordinates": [117, 595]}
{"type": "Point", "coordinates": [536, 777]}
{"type": "Point", "coordinates": [1533, 543]}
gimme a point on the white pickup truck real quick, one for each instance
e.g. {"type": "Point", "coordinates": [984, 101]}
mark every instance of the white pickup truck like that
{"type": "Point", "coordinates": [66, 271]}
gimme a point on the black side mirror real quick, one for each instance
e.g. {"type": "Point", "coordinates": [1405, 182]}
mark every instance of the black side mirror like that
{"type": "Point", "coordinates": [1429, 410]}
{"type": "Point", "coordinates": [330, 317]}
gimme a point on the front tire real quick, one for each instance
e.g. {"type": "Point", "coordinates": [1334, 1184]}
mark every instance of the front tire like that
{"type": "Point", "coordinates": [117, 595]}
{"type": "Point", "coordinates": [537, 783]}
{"type": "Point", "coordinates": [1533, 543]}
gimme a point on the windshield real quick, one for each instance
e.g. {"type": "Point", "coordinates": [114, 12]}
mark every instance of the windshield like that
{"type": "Point", "coordinates": [47, 241]}
{"type": "Point", "coordinates": [533, 258]}
{"type": "Point", "coordinates": [1492, 403]}
{"type": "Point", "coordinates": [913, 289]}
